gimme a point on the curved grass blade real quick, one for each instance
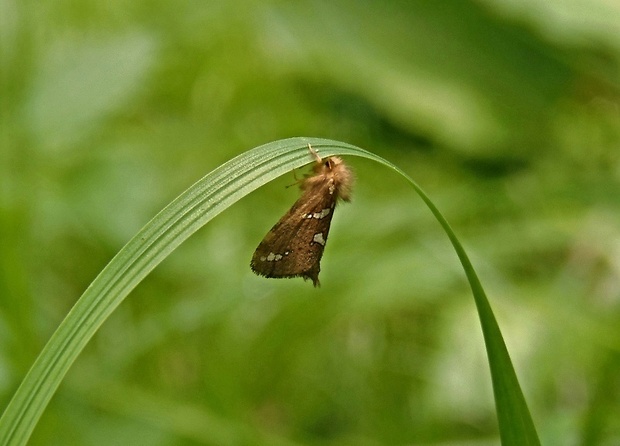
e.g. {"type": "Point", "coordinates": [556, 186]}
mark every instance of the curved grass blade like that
{"type": "Point", "coordinates": [174, 224]}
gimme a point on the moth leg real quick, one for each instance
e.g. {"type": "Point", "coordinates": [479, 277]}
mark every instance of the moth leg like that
{"type": "Point", "coordinates": [318, 159]}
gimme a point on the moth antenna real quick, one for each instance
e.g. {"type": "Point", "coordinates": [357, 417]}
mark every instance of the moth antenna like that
{"type": "Point", "coordinates": [314, 154]}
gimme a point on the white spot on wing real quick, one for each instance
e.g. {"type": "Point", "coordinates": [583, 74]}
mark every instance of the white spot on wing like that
{"type": "Point", "coordinates": [318, 238]}
{"type": "Point", "coordinates": [319, 215]}
{"type": "Point", "coordinates": [273, 257]}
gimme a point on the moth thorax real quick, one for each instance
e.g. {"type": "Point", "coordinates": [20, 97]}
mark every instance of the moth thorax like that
{"type": "Point", "coordinates": [335, 173]}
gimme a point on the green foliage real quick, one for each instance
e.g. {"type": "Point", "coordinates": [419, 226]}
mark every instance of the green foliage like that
{"type": "Point", "coordinates": [173, 225]}
{"type": "Point", "coordinates": [506, 113]}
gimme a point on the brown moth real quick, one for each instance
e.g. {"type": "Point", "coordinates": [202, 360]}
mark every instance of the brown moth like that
{"type": "Point", "coordinates": [294, 246]}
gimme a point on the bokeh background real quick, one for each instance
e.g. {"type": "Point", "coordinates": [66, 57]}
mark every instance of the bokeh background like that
{"type": "Point", "coordinates": [506, 112]}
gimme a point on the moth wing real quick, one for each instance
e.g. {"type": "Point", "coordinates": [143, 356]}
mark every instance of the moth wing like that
{"type": "Point", "coordinates": [294, 246]}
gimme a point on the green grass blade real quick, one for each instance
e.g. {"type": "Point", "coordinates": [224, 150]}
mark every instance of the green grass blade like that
{"type": "Point", "coordinates": [174, 224]}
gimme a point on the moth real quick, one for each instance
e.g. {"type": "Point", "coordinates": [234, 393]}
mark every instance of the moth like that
{"type": "Point", "coordinates": [294, 246]}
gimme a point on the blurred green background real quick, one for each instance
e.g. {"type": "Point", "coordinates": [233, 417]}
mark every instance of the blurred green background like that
{"type": "Point", "coordinates": [506, 112]}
